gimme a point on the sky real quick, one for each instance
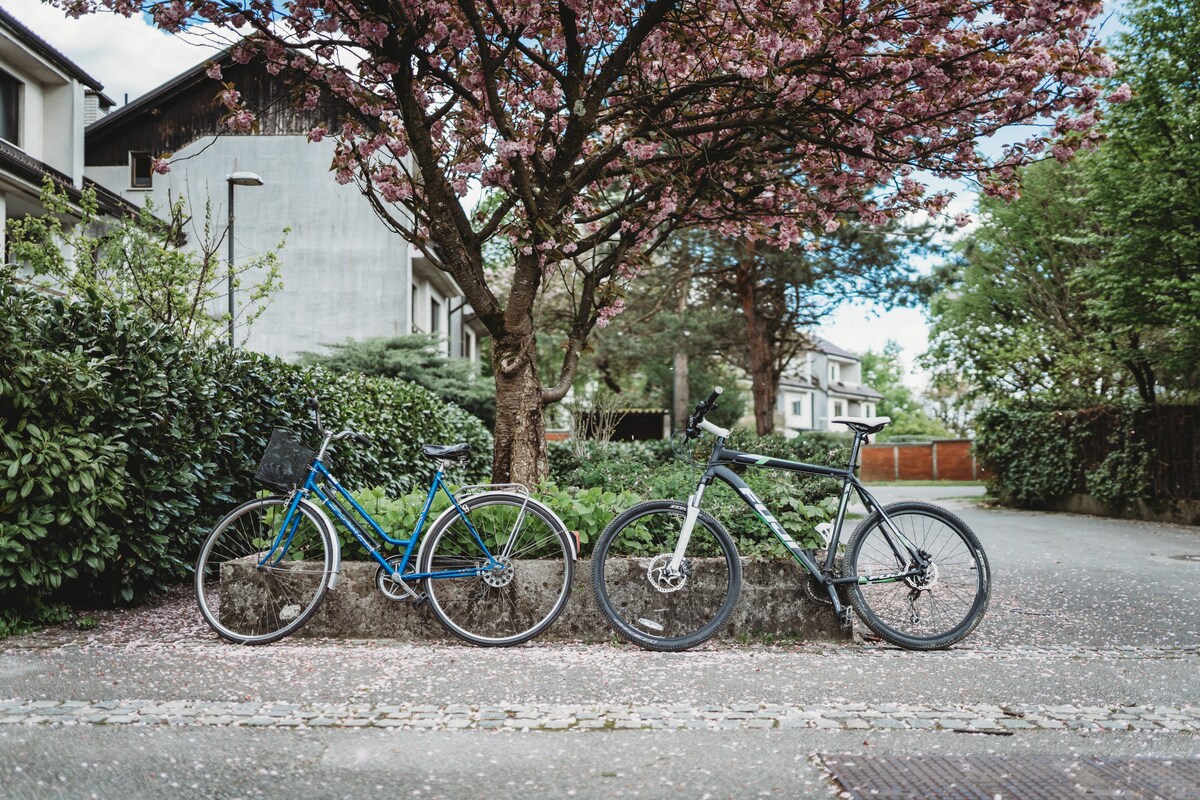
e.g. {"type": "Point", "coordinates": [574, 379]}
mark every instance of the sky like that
{"type": "Point", "coordinates": [130, 58]}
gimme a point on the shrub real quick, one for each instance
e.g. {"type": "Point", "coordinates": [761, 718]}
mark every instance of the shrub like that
{"type": "Point", "coordinates": [613, 477]}
{"type": "Point", "coordinates": [121, 443]}
{"type": "Point", "coordinates": [1120, 455]}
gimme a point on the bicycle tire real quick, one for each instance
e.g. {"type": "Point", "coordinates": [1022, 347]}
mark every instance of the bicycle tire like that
{"type": "Point", "coordinates": [508, 606]}
{"type": "Point", "coordinates": [632, 594]}
{"type": "Point", "coordinates": [250, 603]}
{"type": "Point", "coordinates": [947, 605]}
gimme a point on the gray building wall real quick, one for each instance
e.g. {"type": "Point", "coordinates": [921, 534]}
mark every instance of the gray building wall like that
{"type": "Point", "coordinates": [344, 274]}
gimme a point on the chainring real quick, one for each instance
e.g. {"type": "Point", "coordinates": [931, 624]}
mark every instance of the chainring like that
{"type": "Point", "coordinates": [391, 588]}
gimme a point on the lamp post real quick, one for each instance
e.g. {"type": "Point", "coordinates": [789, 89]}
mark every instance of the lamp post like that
{"type": "Point", "coordinates": [236, 179]}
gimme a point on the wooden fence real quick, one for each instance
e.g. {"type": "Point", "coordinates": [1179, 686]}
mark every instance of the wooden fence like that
{"type": "Point", "coordinates": [942, 460]}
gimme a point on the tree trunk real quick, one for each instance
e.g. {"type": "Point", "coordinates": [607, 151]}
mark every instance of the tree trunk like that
{"type": "Point", "coordinates": [764, 383]}
{"type": "Point", "coordinates": [519, 454]}
{"type": "Point", "coordinates": [680, 369]}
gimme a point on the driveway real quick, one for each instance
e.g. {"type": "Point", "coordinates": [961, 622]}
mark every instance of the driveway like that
{"type": "Point", "coordinates": [1090, 649]}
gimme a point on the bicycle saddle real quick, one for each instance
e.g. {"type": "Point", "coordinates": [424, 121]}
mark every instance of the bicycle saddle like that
{"type": "Point", "coordinates": [460, 450]}
{"type": "Point", "coordinates": [864, 424]}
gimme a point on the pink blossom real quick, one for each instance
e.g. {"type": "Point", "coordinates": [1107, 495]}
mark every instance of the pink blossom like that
{"type": "Point", "coordinates": [1120, 95]}
{"type": "Point", "coordinates": [605, 315]}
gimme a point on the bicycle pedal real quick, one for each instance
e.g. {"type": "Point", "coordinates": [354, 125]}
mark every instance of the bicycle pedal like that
{"type": "Point", "coordinates": [419, 600]}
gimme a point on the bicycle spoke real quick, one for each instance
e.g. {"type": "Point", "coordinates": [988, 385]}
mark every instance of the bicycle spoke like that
{"type": "Point", "coordinates": [254, 590]}
{"type": "Point", "coordinates": [516, 599]}
{"type": "Point", "coordinates": [930, 607]}
{"type": "Point", "coordinates": [646, 602]}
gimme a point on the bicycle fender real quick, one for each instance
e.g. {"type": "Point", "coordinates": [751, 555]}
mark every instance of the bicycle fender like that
{"type": "Point", "coordinates": [336, 572]}
{"type": "Point", "coordinates": [572, 536]}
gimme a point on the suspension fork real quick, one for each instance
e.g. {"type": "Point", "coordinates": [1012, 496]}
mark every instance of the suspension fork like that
{"type": "Point", "coordinates": [689, 523]}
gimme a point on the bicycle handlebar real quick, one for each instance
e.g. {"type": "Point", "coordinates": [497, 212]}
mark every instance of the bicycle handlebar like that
{"type": "Point", "coordinates": [315, 408]}
{"type": "Point", "coordinates": [702, 409]}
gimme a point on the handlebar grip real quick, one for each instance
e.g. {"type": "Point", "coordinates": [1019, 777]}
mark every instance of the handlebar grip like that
{"type": "Point", "coordinates": [360, 439]}
{"type": "Point", "coordinates": [706, 405]}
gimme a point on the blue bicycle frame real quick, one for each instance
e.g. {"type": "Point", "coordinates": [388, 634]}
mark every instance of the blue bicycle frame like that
{"type": "Point", "coordinates": [333, 500]}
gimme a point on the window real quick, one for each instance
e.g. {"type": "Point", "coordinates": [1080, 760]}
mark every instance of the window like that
{"type": "Point", "coordinates": [435, 315]}
{"type": "Point", "coordinates": [10, 108]}
{"type": "Point", "coordinates": [839, 408]}
{"type": "Point", "coordinates": [468, 344]}
{"type": "Point", "coordinates": [798, 408]}
{"type": "Point", "coordinates": [868, 409]}
{"type": "Point", "coordinates": [141, 173]}
{"type": "Point", "coordinates": [835, 372]}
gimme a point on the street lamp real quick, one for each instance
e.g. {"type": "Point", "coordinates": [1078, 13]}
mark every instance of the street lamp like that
{"type": "Point", "coordinates": [236, 179]}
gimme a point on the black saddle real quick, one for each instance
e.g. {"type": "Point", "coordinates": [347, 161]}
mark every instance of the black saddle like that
{"type": "Point", "coordinates": [447, 451]}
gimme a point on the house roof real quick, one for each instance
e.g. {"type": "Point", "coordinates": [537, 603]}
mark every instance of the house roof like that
{"type": "Point", "coordinates": [830, 349]}
{"type": "Point", "coordinates": [47, 51]}
{"type": "Point", "coordinates": [18, 163]}
{"type": "Point", "coordinates": [150, 101]}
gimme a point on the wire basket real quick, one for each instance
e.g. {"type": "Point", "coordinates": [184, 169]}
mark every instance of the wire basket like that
{"type": "Point", "coordinates": [285, 463]}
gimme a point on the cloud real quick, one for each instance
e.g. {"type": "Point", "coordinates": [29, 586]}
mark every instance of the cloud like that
{"type": "Point", "coordinates": [128, 56]}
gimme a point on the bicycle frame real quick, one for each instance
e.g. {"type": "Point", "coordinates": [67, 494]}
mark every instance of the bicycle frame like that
{"type": "Point", "coordinates": [718, 468]}
{"type": "Point", "coordinates": [354, 517]}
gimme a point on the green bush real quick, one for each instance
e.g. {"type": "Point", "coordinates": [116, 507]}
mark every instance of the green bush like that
{"type": "Point", "coordinates": [614, 476]}
{"type": "Point", "coordinates": [1039, 456]}
{"type": "Point", "coordinates": [122, 443]}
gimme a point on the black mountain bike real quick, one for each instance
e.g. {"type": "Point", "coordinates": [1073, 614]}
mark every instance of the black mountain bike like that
{"type": "Point", "coordinates": [667, 575]}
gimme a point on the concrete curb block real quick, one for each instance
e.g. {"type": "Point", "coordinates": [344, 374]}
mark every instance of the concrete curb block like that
{"type": "Point", "coordinates": [773, 605]}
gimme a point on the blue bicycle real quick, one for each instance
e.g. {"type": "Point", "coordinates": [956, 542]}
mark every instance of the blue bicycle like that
{"type": "Point", "coordinates": [495, 567]}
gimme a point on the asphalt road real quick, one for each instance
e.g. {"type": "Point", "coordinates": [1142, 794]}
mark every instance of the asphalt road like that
{"type": "Point", "coordinates": [1091, 647]}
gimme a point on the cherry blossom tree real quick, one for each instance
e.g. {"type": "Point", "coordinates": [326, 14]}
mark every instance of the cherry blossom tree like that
{"type": "Point", "coordinates": [603, 125]}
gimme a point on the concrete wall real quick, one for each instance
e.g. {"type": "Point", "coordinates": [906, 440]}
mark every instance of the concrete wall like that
{"type": "Point", "coordinates": [772, 604]}
{"type": "Point", "coordinates": [947, 460]}
{"type": "Point", "coordinates": [344, 274]}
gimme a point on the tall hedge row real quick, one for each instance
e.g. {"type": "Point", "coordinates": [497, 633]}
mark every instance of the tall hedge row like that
{"type": "Point", "coordinates": [1121, 455]}
{"type": "Point", "coordinates": [122, 443]}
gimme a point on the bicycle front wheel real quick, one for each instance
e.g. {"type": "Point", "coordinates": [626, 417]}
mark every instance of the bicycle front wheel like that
{"type": "Point", "coordinates": [509, 604]}
{"type": "Point", "coordinates": [930, 610]}
{"type": "Point", "coordinates": [257, 580]}
{"type": "Point", "coordinates": [644, 602]}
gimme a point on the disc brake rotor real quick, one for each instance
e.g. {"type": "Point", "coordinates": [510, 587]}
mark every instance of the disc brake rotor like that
{"type": "Point", "coordinates": [662, 579]}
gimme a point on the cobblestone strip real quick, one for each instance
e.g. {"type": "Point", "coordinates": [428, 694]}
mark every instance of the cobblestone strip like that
{"type": "Point", "coordinates": [983, 719]}
{"type": "Point", "coordinates": [966, 652]}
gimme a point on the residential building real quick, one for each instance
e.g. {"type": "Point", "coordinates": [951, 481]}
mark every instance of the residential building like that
{"type": "Point", "coordinates": [825, 383]}
{"type": "Point", "coordinates": [345, 274]}
{"type": "Point", "coordinates": [45, 103]}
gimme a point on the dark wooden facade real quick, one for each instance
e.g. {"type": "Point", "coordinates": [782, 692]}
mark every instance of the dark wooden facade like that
{"type": "Point", "coordinates": [189, 108]}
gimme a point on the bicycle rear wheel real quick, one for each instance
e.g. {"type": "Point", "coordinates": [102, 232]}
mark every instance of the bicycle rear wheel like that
{"type": "Point", "coordinates": [504, 606]}
{"type": "Point", "coordinates": [922, 612]}
{"type": "Point", "coordinates": [649, 607]}
{"type": "Point", "coordinates": [255, 586]}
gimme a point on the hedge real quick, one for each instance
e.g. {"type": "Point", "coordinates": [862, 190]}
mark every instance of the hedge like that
{"type": "Point", "coordinates": [1121, 455]}
{"type": "Point", "coordinates": [589, 490]}
{"type": "Point", "coordinates": [122, 443]}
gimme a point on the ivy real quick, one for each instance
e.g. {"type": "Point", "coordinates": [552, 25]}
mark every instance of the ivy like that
{"type": "Point", "coordinates": [1039, 456]}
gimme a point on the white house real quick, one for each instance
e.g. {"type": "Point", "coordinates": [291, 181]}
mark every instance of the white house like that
{"type": "Point", "coordinates": [345, 275]}
{"type": "Point", "coordinates": [825, 382]}
{"type": "Point", "coordinates": [45, 103]}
